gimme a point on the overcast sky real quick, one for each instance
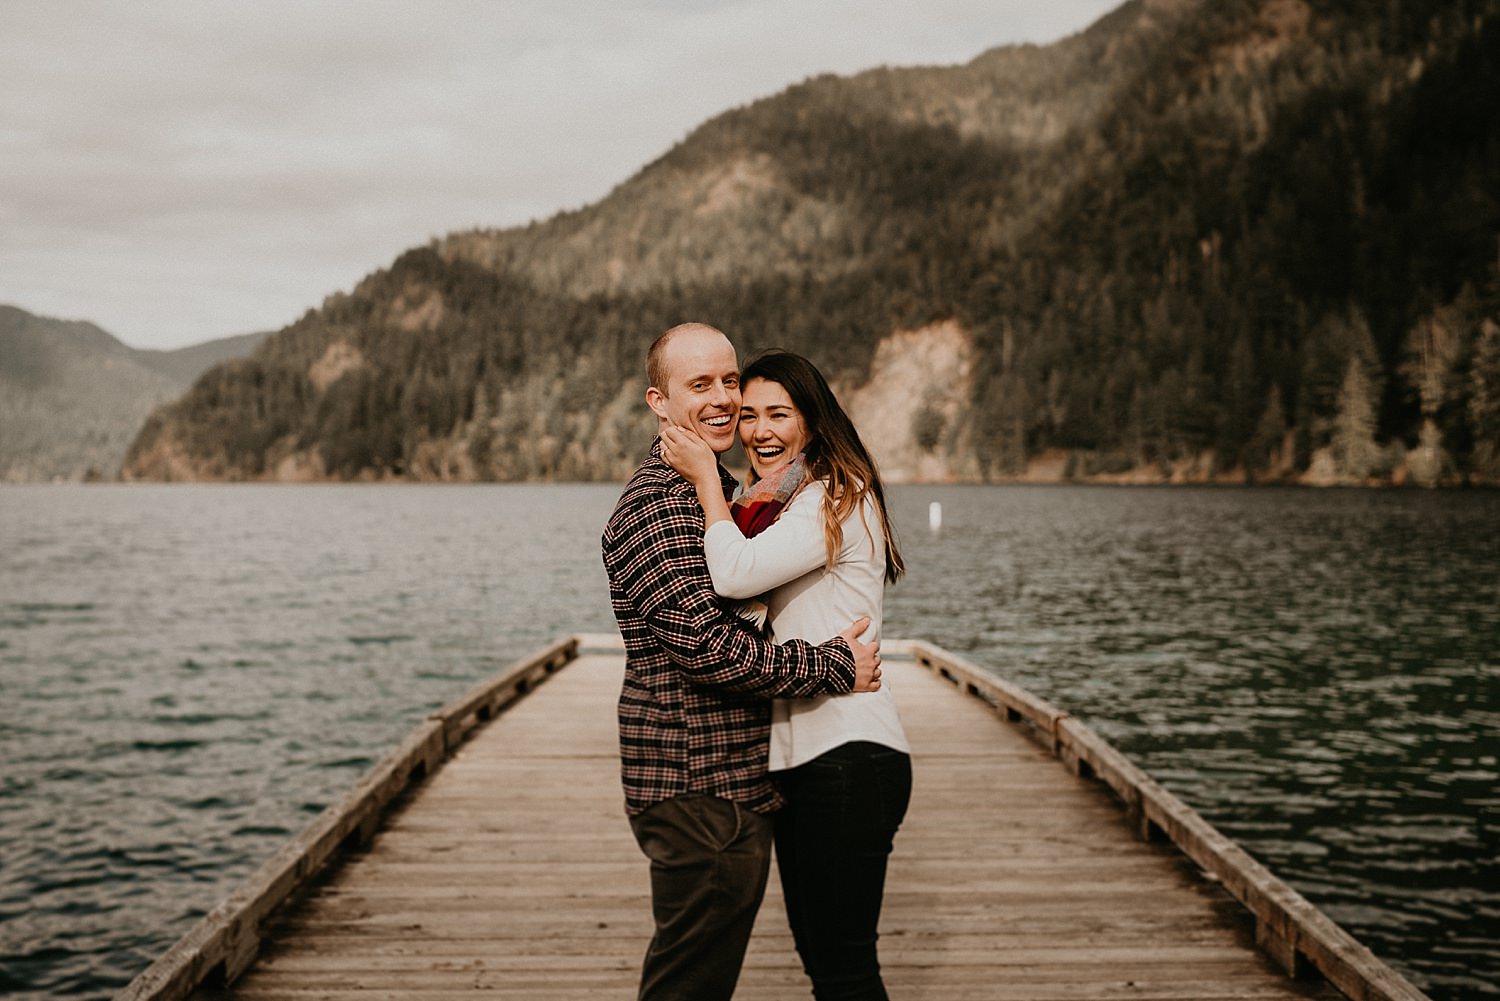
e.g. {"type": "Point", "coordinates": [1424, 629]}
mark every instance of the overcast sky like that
{"type": "Point", "coordinates": [181, 170]}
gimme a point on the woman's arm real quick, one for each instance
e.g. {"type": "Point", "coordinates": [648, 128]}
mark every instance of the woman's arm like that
{"type": "Point", "coordinates": [743, 568]}
{"type": "Point", "coordinates": [791, 546]}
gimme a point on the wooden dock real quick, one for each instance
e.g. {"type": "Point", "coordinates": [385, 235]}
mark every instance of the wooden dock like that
{"type": "Point", "coordinates": [510, 869]}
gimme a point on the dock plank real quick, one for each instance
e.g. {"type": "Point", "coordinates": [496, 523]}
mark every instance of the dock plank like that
{"type": "Point", "coordinates": [512, 871]}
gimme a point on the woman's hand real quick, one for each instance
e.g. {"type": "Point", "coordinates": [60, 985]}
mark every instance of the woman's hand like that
{"type": "Point", "coordinates": [690, 456]}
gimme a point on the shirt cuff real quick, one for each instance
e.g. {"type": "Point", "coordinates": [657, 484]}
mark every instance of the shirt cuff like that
{"type": "Point", "coordinates": [843, 655]}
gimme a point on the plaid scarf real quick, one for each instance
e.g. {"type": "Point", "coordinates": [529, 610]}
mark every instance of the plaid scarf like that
{"type": "Point", "coordinates": [762, 502]}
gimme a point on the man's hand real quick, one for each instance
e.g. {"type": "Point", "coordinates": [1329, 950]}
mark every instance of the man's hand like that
{"type": "Point", "coordinates": [866, 656]}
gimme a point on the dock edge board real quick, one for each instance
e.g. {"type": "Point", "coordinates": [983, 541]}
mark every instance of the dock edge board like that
{"type": "Point", "coordinates": [1298, 937]}
{"type": "Point", "coordinates": [224, 943]}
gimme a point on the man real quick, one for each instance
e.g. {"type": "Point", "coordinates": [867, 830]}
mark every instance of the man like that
{"type": "Point", "coordinates": [694, 709]}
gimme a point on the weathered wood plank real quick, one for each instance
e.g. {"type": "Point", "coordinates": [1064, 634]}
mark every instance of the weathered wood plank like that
{"type": "Point", "coordinates": [539, 987]}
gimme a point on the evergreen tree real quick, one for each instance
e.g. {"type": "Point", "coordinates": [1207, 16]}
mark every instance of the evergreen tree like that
{"type": "Point", "coordinates": [1484, 403]}
{"type": "Point", "coordinates": [1354, 448]}
{"type": "Point", "coordinates": [1263, 453]}
{"type": "Point", "coordinates": [1429, 462]}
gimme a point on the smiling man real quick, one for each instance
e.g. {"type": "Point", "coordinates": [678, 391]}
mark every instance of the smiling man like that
{"type": "Point", "coordinates": [695, 707]}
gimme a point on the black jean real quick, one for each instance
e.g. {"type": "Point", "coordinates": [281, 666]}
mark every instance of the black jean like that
{"type": "Point", "coordinates": [710, 859]}
{"type": "Point", "coordinates": [833, 839]}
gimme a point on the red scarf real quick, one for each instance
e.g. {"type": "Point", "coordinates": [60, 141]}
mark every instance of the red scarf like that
{"type": "Point", "coordinates": [761, 504]}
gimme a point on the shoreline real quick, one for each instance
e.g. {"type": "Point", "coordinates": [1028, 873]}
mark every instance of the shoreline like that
{"type": "Point", "coordinates": [1107, 481]}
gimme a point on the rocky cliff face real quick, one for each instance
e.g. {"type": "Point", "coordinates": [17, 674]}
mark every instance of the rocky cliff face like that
{"type": "Point", "coordinates": [913, 411]}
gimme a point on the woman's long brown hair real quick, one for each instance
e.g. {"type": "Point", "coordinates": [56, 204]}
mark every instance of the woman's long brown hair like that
{"type": "Point", "coordinates": [834, 452]}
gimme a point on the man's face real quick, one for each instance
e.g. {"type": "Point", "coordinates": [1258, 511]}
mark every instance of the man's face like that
{"type": "Point", "coordinates": [702, 393]}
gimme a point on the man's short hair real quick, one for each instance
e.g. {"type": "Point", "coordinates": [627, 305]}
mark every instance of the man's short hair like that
{"type": "Point", "coordinates": [656, 361]}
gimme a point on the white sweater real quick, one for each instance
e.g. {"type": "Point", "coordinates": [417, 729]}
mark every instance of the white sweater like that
{"type": "Point", "coordinates": [807, 601]}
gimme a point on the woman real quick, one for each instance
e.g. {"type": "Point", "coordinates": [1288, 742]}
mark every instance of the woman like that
{"type": "Point", "coordinates": [812, 535]}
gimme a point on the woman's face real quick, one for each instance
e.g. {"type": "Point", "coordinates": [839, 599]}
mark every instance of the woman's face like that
{"type": "Point", "coordinates": [771, 427]}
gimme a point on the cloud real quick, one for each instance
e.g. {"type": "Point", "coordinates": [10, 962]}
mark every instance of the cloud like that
{"type": "Point", "coordinates": [178, 170]}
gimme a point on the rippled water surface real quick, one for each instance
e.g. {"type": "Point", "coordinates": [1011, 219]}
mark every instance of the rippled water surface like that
{"type": "Point", "coordinates": [188, 674]}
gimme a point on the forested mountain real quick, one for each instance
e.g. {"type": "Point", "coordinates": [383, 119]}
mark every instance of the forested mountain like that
{"type": "Point", "coordinates": [1229, 240]}
{"type": "Point", "coordinates": [72, 397]}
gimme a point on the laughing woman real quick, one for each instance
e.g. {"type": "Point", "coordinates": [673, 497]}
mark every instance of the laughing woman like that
{"type": "Point", "coordinates": [812, 538]}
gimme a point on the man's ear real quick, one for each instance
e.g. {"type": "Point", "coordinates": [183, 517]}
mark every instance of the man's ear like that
{"type": "Point", "coordinates": [657, 401]}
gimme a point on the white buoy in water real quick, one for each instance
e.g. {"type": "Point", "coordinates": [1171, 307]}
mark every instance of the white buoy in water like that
{"type": "Point", "coordinates": [935, 516]}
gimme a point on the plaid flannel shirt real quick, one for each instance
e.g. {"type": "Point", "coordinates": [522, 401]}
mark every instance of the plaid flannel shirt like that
{"type": "Point", "coordinates": [695, 714]}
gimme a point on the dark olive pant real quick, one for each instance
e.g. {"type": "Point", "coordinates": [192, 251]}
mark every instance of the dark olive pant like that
{"type": "Point", "coordinates": [710, 859]}
{"type": "Point", "coordinates": [833, 839]}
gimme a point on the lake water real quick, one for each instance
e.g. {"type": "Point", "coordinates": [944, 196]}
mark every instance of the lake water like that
{"type": "Point", "coordinates": [189, 674]}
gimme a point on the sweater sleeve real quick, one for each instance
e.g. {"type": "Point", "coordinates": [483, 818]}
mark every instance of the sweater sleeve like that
{"type": "Point", "coordinates": [791, 546]}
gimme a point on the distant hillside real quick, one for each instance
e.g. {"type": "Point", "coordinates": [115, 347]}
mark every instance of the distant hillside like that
{"type": "Point", "coordinates": [1201, 241]}
{"type": "Point", "coordinates": [72, 397]}
{"type": "Point", "coordinates": [184, 365]}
